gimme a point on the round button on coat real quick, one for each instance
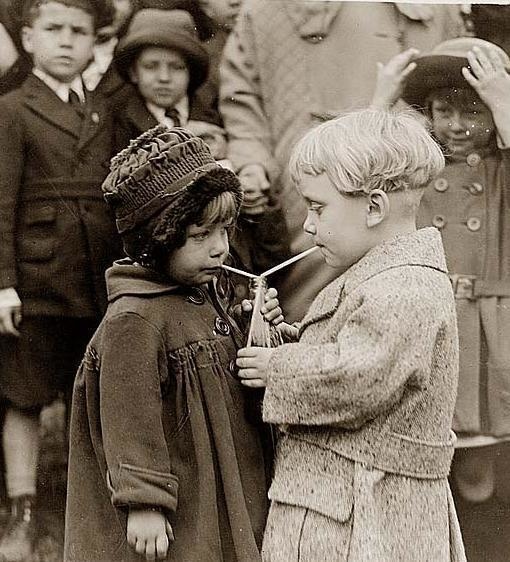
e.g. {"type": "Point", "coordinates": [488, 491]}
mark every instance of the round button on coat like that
{"type": "Point", "coordinates": [196, 296]}
{"type": "Point", "coordinates": [439, 221]}
{"type": "Point", "coordinates": [474, 224]}
{"type": "Point", "coordinates": [473, 159]}
{"type": "Point", "coordinates": [221, 326]}
{"type": "Point", "coordinates": [476, 188]}
{"type": "Point", "coordinates": [441, 184]}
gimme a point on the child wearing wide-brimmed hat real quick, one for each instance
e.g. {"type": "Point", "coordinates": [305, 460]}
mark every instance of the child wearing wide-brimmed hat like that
{"type": "Point", "coordinates": [164, 462]}
{"type": "Point", "coordinates": [463, 87]}
{"type": "Point", "coordinates": [163, 57]}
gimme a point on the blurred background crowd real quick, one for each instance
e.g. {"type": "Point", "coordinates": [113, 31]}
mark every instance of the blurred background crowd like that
{"type": "Point", "coordinates": [249, 77]}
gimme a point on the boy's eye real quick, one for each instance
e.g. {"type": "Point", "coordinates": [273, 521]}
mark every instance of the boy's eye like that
{"type": "Point", "coordinates": [315, 208]}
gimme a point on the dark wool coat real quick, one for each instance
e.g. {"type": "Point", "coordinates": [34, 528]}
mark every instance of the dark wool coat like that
{"type": "Point", "coordinates": [159, 419]}
{"type": "Point", "coordinates": [470, 204]}
{"type": "Point", "coordinates": [365, 400]}
{"type": "Point", "coordinates": [57, 235]}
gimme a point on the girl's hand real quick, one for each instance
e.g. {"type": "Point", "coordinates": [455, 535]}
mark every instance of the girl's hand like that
{"type": "Point", "coordinates": [271, 309]}
{"type": "Point", "coordinates": [149, 533]}
{"type": "Point", "coordinates": [252, 363]}
{"type": "Point", "coordinates": [391, 78]}
{"type": "Point", "coordinates": [488, 77]}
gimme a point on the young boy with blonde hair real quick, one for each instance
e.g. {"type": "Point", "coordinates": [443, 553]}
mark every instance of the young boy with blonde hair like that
{"type": "Point", "coordinates": [365, 393]}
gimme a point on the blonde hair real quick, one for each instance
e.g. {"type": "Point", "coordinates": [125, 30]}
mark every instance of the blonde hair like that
{"type": "Point", "coordinates": [223, 208]}
{"type": "Point", "coordinates": [369, 149]}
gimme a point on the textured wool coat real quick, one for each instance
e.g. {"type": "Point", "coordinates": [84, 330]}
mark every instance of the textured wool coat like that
{"type": "Point", "coordinates": [57, 235]}
{"type": "Point", "coordinates": [365, 401]}
{"type": "Point", "coordinates": [470, 203]}
{"type": "Point", "coordinates": [286, 66]}
{"type": "Point", "coordinates": [160, 419]}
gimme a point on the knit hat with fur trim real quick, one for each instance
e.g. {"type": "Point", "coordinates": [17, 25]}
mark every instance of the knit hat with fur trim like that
{"type": "Point", "coordinates": [165, 174]}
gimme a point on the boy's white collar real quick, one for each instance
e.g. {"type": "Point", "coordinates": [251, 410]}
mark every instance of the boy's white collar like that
{"type": "Point", "coordinates": [61, 89]}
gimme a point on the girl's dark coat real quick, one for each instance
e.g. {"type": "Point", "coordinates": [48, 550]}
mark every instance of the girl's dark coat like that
{"type": "Point", "coordinates": [159, 420]}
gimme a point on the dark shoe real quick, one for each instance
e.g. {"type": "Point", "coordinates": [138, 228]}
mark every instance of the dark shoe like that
{"type": "Point", "coordinates": [18, 540]}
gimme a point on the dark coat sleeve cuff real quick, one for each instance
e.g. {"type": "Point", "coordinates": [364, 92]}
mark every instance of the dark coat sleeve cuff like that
{"type": "Point", "coordinates": [141, 486]}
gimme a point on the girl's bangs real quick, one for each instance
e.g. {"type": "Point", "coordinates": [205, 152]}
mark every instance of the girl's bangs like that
{"type": "Point", "coordinates": [222, 208]}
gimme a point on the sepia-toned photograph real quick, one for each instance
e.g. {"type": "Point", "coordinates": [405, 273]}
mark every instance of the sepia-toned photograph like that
{"type": "Point", "coordinates": [254, 281]}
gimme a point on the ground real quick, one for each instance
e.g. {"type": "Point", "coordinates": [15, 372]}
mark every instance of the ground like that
{"type": "Point", "coordinates": [485, 526]}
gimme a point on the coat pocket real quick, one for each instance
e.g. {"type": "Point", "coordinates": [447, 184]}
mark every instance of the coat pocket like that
{"type": "Point", "coordinates": [38, 233]}
{"type": "Point", "coordinates": [314, 478]}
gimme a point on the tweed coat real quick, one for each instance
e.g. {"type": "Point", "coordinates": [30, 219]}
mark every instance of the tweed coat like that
{"type": "Point", "coordinates": [280, 76]}
{"type": "Point", "coordinates": [470, 203]}
{"type": "Point", "coordinates": [365, 402]}
{"type": "Point", "coordinates": [58, 237]}
{"type": "Point", "coordinates": [160, 419]}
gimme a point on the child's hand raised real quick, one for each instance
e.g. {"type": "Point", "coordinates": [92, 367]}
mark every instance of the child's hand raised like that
{"type": "Point", "coordinates": [391, 78]}
{"type": "Point", "coordinates": [488, 77]}
{"type": "Point", "coordinates": [271, 309]}
{"type": "Point", "coordinates": [149, 533]}
{"type": "Point", "coordinates": [252, 363]}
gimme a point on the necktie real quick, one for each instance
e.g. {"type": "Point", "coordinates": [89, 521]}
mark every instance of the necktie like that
{"type": "Point", "coordinates": [74, 99]}
{"type": "Point", "coordinates": [173, 114]}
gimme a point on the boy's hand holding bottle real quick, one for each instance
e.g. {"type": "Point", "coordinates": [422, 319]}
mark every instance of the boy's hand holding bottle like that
{"type": "Point", "coordinates": [149, 533]}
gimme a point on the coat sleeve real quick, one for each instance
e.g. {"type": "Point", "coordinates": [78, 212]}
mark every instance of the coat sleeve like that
{"type": "Point", "coordinates": [133, 365]}
{"type": "Point", "coordinates": [12, 151]}
{"type": "Point", "coordinates": [385, 344]}
{"type": "Point", "coordinates": [241, 100]}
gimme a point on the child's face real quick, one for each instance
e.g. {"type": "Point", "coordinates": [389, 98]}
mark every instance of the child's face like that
{"type": "Point", "coordinates": [161, 75]}
{"type": "Point", "coordinates": [200, 259]}
{"type": "Point", "coordinates": [337, 222]}
{"type": "Point", "coordinates": [60, 40]}
{"type": "Point", "coordinates": [223, 12]}
{"type": "Point", "coordinates": [461, 122]}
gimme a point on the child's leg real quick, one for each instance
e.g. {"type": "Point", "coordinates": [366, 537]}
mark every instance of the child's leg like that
{"type": "Point", "coordinates": [21, 450]}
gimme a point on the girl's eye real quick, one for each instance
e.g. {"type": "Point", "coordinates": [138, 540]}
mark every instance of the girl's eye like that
{"type": "Point", "coordinates": [200, 235]}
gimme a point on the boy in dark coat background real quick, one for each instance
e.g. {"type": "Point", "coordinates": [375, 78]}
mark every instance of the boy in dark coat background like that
{"type": "Point", "coordinates": [57, 235]}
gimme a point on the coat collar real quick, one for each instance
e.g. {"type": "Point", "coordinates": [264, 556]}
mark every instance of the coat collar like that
{"type": "Point", "coordinates": [42, 100]}
{"type": "Point", "coordinates": [138, 114]}
{"type": "Point", "coordinates": [422, 248]}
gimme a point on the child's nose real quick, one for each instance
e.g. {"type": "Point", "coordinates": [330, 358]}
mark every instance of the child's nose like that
{"type": "Point", "coordinates": [308, 226]}
{"type": "Point", "coordinates": [164, 74]}
{"type": "Point", "coordinates": [456, 122]}
{"type": "Point", "coordinates": [219, 245]}
{"type": "Point", "coordinates": [65, 37]}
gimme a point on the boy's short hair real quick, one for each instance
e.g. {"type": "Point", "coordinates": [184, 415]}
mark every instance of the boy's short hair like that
{"type": "Point", "coordinates": [98, 9]}
{"type": "Point", "coordinates": [369, 149]}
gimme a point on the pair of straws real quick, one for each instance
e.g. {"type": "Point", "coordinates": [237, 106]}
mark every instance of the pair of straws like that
{"type": "Point", "coordinates": [259, 332]}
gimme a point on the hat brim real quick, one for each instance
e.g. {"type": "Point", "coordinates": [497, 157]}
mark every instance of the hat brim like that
{"type": "Point", "coordinates": [434, 73]}
{"type": "Point", "coordinates": [192, 50]}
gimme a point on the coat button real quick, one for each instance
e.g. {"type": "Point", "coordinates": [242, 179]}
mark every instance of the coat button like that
{"type": "Point", "coordinates": [441, 184]}
{"type": "Point", "coordinates": [221, 326]}
{"type": "Point", "coordinates": [476, 188]}
{"type": "Point", "coordinates": [473, 159]}
{"type": "Point", "coordinates": [474, 224]}
{"type": "Point", "coordinates": [439, 221]}
{"type": "Point", "coordinates": [197, 296]}
{"type": "Point", "coordinates": [232, 367]}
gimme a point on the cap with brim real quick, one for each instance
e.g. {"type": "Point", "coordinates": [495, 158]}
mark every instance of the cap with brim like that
{"type": "Point", "coordinates": [442, 68]}
{"type": "Point", "coordinates": [171, 29]}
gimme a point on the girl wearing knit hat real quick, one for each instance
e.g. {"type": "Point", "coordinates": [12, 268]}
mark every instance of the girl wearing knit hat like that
{"type": "Point", "coordinates": [463, 86]}
{"type": "Point", "coordinates": [163, 460]}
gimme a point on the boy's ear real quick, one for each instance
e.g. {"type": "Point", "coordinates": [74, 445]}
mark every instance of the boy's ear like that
{"type": "Point", "coordinates": [26, 39]}
{"type": "Point", "coordinates": [378, 207]}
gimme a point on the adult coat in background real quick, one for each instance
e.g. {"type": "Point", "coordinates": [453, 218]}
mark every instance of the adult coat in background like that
{"type": "Point", "coordinates": [288, 65]}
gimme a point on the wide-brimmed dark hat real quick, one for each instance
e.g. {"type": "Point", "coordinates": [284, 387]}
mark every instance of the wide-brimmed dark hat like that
{"type": "Point", "coordinates": [172, 29]}
{"type": "Point", "coordinates": [442, 68]}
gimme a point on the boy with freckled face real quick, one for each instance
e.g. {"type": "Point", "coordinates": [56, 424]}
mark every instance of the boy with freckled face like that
{"type": "Point", "coordinates": [364, 391]}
